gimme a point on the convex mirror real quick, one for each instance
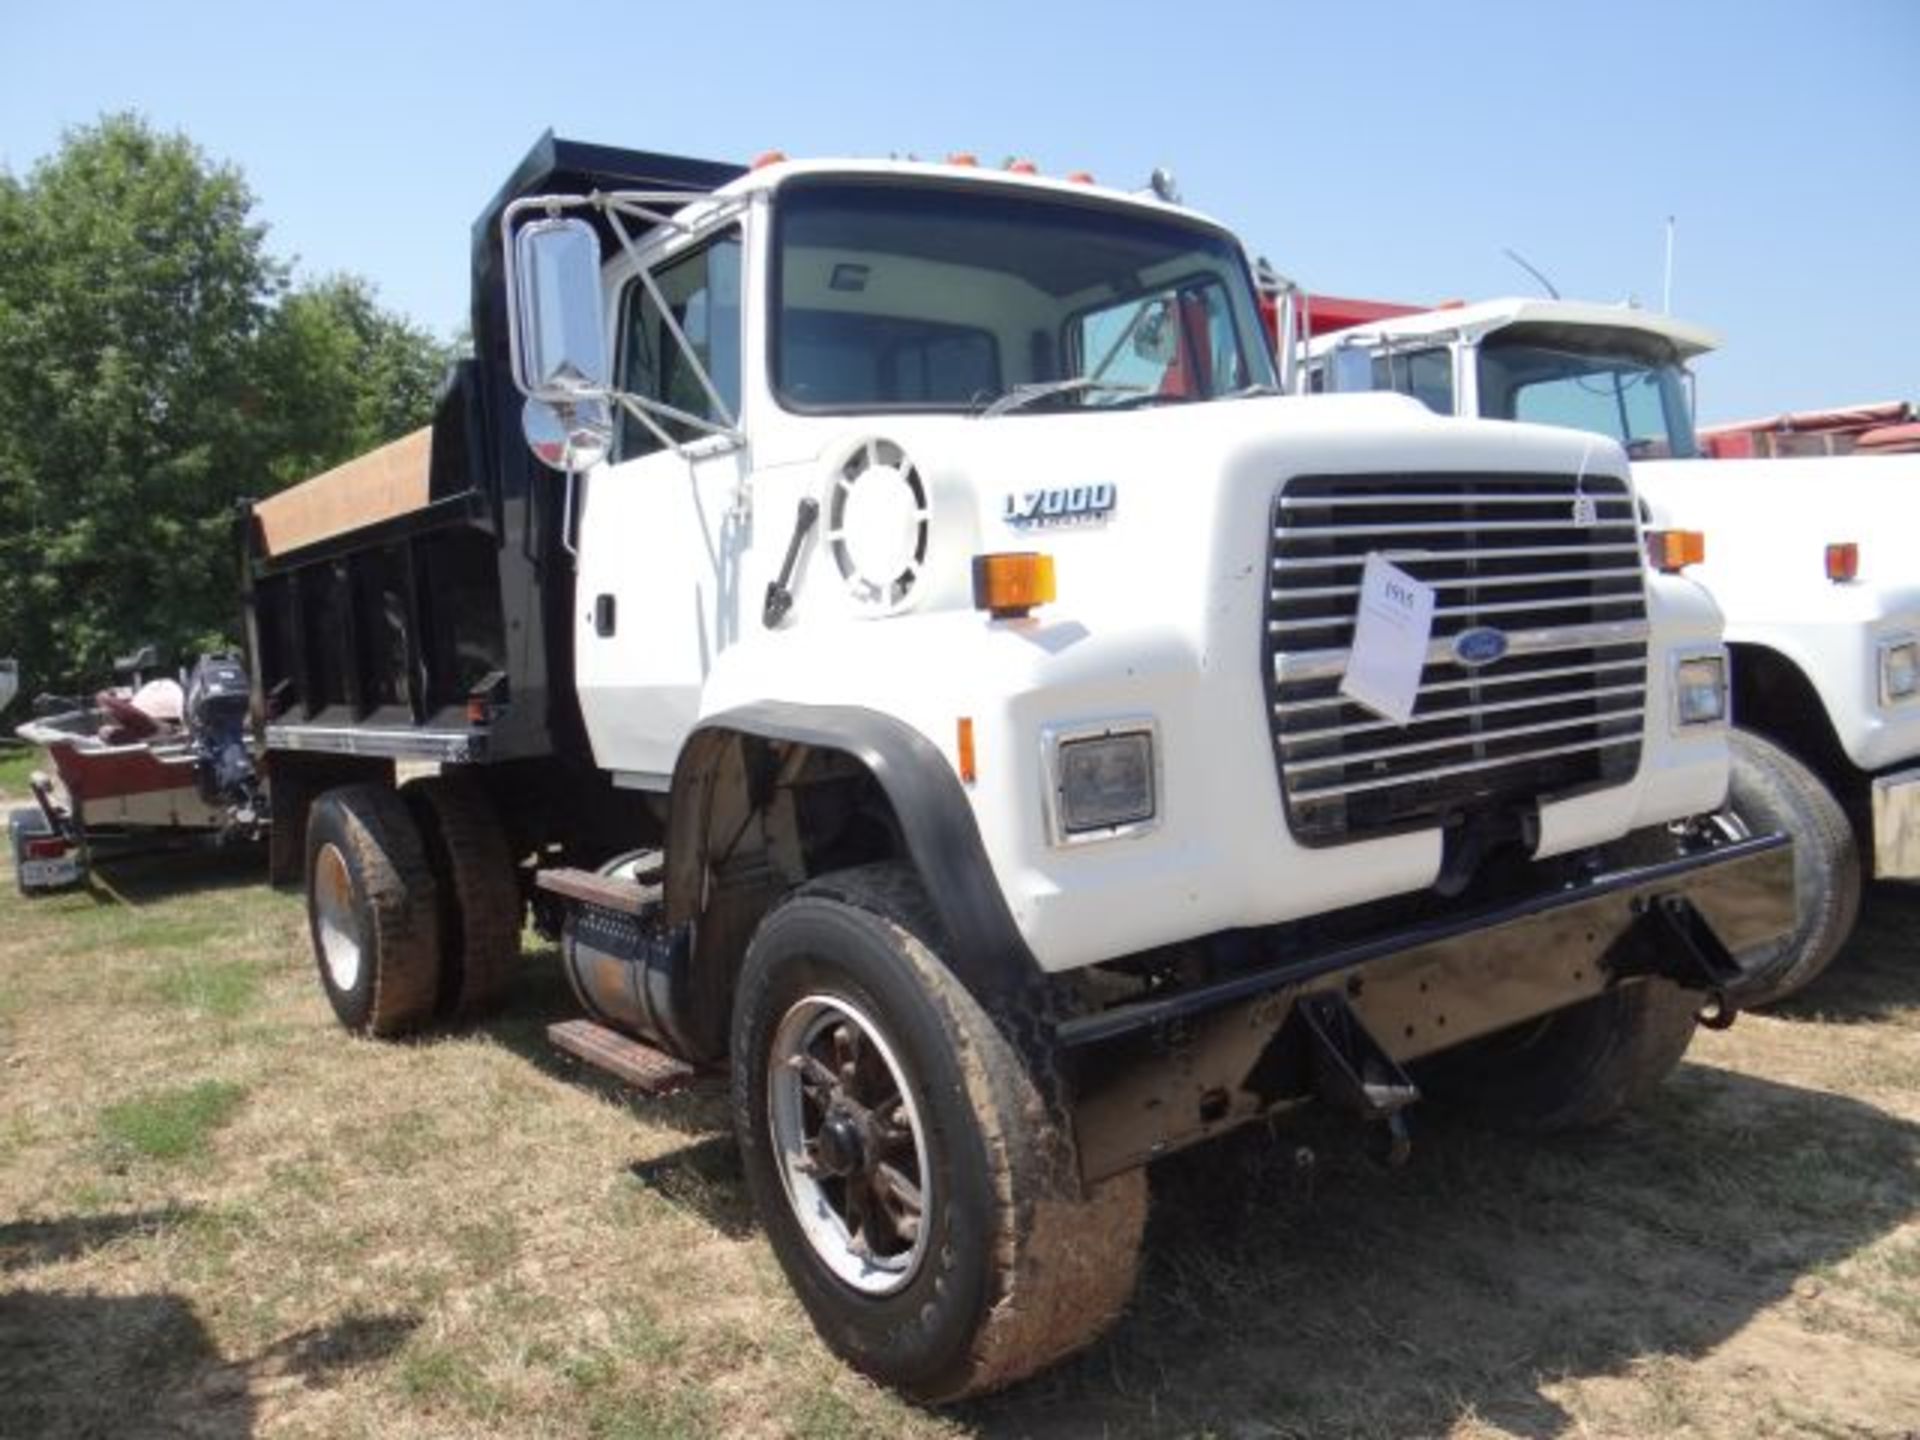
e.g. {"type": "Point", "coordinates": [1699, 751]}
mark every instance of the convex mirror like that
{"type": "Point", "coordinates": [569, 435]}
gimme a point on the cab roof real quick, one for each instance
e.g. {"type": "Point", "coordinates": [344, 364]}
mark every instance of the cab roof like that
{"type": "Point", "coordinates": [1486, 316]}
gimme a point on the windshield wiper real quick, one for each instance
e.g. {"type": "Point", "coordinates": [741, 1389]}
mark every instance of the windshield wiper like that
{"type": "Point", "coordinates": [1244, 392]}
{"type": "Point", "coordinates": [1021, 396]}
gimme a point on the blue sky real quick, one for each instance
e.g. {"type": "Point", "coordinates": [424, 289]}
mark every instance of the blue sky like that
{"type": "Point", "coordinates": [1371, 149]}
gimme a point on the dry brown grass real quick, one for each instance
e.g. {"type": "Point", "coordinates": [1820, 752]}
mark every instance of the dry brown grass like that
{"type": "Point", "coordinates": [221, 1216]}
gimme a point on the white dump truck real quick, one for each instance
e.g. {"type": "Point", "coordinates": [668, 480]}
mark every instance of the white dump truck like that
{"type": "Point", "coordinates": [1812, 559]}
{"type": "Point", "coordinates": [921, 685]}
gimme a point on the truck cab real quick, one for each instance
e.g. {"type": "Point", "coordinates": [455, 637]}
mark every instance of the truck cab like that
{"type": "Point", "coordinates": [1806, 555]}
{"type": "Point", "coordinates": [887, 620]}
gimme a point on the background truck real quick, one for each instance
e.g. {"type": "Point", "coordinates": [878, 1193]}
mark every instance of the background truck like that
{"type": "Point", "coordinates": [917, 688]}
{"type": "Point", "coordinates": [1811, 559]}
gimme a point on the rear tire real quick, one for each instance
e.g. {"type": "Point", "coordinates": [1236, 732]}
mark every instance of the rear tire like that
{"type": "Point", "coordinates": [479, 890]}
{"type": "Point", "coordinates": [372, 910]}
{"type": "Point", "coordinates": [980, 1259]}
{"type": "Point", "coordinates": [1772, 790]}
{"type": "Point", "coordinates": [1571, 1070]}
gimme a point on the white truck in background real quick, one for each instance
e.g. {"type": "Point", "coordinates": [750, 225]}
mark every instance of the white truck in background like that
{"type": "Point", "coordinates": [1815, 561]}
{"type": "Point", "coordinates": [918, 689]}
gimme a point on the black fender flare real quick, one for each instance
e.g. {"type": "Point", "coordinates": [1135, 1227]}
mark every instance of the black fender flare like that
{"type": "Point", "coordinates": [989, 954]}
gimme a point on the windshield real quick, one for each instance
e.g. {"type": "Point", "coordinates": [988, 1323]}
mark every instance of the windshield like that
{"type": "Point", "coordinates": [932, 297]}
{"type": "Point", "coordinates": [1627, 391]}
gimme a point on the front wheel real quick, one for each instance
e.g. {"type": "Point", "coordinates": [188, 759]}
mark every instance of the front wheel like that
{"type": "Point", "coordinates": [1771, 790]}
{"type": "Point", "coordinates": [911, 1180]}
{"type": "Point", "coordinates": [1573, 1069]}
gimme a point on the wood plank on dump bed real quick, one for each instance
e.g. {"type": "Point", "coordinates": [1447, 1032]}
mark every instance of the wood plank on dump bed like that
{"type": "Point", "coordinates": [376, 486]}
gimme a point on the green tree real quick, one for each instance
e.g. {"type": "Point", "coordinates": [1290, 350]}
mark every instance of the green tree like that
{"type": "Point", "coordinates": [343, 375]}
{"type": "Point", "coordinates": [154, 367]}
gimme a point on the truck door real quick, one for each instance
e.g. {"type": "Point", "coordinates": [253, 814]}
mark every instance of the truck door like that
{"type": "Point", "coordinates": [659, 553]}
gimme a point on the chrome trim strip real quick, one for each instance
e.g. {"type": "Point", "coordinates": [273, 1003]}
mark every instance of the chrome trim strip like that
{"type": "Point", "coordinates": [1635, 713]}
{"type": "Point", "coordinates": [1503, 607]}
{"type": "Point", "coordinates": [1457, 500]}
{"type": "Point", "coordinates": [1476, 682]}
{"type": "Point", "coordinates": [1460, 712]}
{"type": "Point", "coordinates": [1517, 552]}
{"type": "Point", "coordinates": [1333, 791]}
{"type": "Point", "coordinates": [1441, 527]}
{"type": "Point", "coordinates": [1321, 664]}
{"type": "Point", "coordinates": [1462, 582]}
{"type": "Point", "coordinates": [449, 746]}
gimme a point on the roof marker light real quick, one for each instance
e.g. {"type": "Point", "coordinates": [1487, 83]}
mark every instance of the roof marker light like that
{"type": "Point", "coordinates": [1081, 177]}
{"type": "Point", "coordinates": [963, 157]}
{"type": "Point", "coordinates": [766, 158]}
{"type": "Point", "coordinates": [1022, 167]}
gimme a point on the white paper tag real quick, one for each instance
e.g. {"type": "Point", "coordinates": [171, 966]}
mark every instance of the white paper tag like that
{"type": "Point", "coordinates": [1393, 625]}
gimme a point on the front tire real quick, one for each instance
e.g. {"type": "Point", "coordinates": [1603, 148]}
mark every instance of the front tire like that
{"type": "Point", "coordinates": [1771, 790]}
{"type": "Point", "coordinates": [372, 911]}
{"type": "Point", "coordinates": [1571, 1070]}
{"type": "Point", "coordinates": [911, 1179]}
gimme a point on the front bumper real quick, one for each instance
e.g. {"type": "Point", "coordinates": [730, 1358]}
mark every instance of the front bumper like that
{"type": "Point", "coordinates": [1154, 1075]}
{"type": "Point", "coordinates": [1896, 826]}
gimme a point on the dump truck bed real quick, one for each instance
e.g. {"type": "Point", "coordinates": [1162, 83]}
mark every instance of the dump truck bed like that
{"type": "Point", "coordinates": [416, 602]}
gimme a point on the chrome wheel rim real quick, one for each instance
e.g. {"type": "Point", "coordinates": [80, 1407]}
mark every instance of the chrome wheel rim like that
{"type": "Point", "coordinates": [337, 925]}
{"type": "Point", "coordinates": [849, 1144]}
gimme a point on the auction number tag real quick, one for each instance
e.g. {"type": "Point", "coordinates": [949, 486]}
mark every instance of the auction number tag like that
{"type": "Point", "coordinates": [1390, 635]}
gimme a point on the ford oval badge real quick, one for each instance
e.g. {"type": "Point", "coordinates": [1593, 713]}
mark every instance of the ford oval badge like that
{"type": "Point", "coordinates": [1479, 646]}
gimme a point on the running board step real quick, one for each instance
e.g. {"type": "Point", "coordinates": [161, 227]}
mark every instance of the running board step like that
{"type": "Point", "coordinates": [650, 1071]}
{"type": "Point", "coordinates": [630, 897]}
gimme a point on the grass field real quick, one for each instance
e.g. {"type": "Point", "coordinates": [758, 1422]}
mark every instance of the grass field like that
{"type": "Point", "coordinates": [220, 1216]}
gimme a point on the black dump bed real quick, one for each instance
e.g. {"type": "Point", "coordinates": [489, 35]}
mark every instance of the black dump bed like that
{"type": "Point", "coordinates": [416, 602]}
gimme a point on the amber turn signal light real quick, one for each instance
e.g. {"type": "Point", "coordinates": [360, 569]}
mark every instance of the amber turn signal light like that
{"type": "Point", "coordinates": [1843, 562]}
{"type": "Point", "coordinates": [1009, 585]}
{"type": "Point", "coordinates": [1671, 551]}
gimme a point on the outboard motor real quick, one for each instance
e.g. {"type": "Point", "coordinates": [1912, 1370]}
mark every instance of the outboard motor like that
{"type": "Point", "coordinates": [217, 698]}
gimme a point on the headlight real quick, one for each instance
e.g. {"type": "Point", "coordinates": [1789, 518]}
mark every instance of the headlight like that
{"type": "Point", "coordinates": [1700, 690]}
{"type": "Point", "coordinates": [1899, 670]}
{"type": "Point", "coordinates": [1103, 782]}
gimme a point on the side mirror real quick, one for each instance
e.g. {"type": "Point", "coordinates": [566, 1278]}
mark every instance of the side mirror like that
{"type": "Point", "coordinates": [1155, 339]}
{"type": "Point", "coordinates": [1349, 370]}
{"type": "Point", "coordinates": [559, 343]}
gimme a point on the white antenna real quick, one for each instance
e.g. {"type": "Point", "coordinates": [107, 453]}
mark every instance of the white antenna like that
{"type": "Point", "coordinates": [1666, 285]}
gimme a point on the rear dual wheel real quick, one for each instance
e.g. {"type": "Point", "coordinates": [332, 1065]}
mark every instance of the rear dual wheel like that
{"type": "Point", "coordinates": [413, 903]}
{"type": "Point", "coordinates": [373, 910]}
{"type": "Point", "coordinates": [912, 1181]}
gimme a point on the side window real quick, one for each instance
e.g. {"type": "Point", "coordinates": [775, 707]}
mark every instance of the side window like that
{"type": "Point", "coordinates": [1426, 375]}
{"type": "Point", "coordinates": [702, 289]}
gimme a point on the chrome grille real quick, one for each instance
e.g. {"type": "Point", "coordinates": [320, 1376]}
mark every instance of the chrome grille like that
{"type": "Point", "coordinates": [1560, 713]}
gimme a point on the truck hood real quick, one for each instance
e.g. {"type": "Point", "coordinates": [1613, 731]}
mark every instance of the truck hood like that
{"type": "Point", "coordinates": [1768, 523]}
{"type": "Point", "coordinates": [1146, 510]}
